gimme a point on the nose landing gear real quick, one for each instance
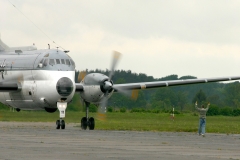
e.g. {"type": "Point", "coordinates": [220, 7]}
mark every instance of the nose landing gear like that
{"type": "Point", "coordinates": [61, 107]}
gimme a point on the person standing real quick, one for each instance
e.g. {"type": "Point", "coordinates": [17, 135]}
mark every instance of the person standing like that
{"type": "Point", "coordinates": [202, 118]}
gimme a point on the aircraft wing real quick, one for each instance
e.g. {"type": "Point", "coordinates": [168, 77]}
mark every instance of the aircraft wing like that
{"type": "Point", "coordinates": [79, 87]}
{"type": "Point", "coordinates": [156, 84]}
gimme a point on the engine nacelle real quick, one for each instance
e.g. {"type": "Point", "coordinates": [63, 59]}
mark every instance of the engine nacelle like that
{"type": "Point", "coordinates": [96, 86]}
{"type": "Point", "coordinates": [50, 110]}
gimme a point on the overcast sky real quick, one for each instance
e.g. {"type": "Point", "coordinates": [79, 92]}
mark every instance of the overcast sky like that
{"type": "Point", "coordinates": [199, 38]}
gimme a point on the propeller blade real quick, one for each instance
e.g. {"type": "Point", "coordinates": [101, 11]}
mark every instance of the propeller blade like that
{"type": "Point", "coordinates": [101, 116]}
{"type": "Point", "coordinates": [21, 78]}
{"type": "Point", "coordinates": [116, 56]}
{"type": "Point", "coordinates": [81, 75]}
{"type": "Point", "coordinates": [133, 94]}
{"type": "Point", "coordinates": [82, 101]}
{"type": "Point", "coordinates": [102, 109]}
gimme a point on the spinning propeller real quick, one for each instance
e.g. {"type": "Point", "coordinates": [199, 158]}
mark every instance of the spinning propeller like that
{"type": "Point", "coordinates": [81, 75]}
{"type": "Point", "coordinates": [108, 87]}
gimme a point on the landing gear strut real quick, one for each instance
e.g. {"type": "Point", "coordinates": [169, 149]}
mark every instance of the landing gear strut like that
{"type": "Point", "coordinates": [61, 107]}
{"type": "Point", "coordinates": [86, 121]}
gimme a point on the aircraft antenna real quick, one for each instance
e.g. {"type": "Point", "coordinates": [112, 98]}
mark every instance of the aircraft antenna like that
{"type": "Point", "coordinates": [34, 24]}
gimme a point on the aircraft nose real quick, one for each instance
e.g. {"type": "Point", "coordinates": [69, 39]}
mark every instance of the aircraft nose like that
{"type": "Point", "coordinates": [64, 86]}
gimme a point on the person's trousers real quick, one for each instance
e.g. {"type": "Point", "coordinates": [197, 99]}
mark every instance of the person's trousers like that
{"type": "Point", "coordinates": [202, 125]}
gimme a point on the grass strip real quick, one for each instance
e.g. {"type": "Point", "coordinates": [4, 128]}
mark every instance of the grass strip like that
{"type": "Point", "coordinates": [134, 121]}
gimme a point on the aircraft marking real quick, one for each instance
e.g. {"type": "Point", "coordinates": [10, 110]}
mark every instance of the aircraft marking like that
{"type": "Point", "coordinates": [2, 66]}
{"type": "Point", "coordinates": [143, 86]}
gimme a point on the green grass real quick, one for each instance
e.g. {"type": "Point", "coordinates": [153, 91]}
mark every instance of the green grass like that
{"type": "Point", "coordinates": [134, 121]}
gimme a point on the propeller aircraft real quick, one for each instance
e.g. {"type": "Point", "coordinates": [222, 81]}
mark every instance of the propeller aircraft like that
{"type": "Point", "coordinates": [33, 79]}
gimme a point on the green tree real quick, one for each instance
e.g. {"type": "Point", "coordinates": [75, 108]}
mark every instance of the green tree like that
{"type": "Point", "coordinates": [76, 104]}
{"type": "Point", "coordinates": [164, 98]}
{"type": "Point", "coordinates": [232, 94]}
{"type": "Point", "coordinates": [120, 81]}
{"type": "Point", "coordinates": [200, 97]}
{"type": "Point", "coordinates": [93, 108]}
{"type": "Point", "coordinates": [226, 111]}
{"type": "Point", "coordinates": [213, 110]}
{"type": "Point", "coordinates": [181, 100]}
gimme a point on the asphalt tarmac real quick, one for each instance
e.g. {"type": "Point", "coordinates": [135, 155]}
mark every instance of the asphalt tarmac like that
{"type": "Point", "coordinates": [37, 141]}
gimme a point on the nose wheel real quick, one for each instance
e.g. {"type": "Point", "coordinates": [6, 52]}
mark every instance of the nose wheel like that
{"type": "Point", "coordinates": [60, 124]}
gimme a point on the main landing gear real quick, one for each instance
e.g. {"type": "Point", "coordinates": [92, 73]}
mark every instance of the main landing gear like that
{"type": "Point", "coordinates": [61, 107]}
{"type": "Point", "coordinates": [87, 122]}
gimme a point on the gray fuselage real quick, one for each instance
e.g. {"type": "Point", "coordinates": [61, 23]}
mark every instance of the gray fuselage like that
{"type": "Point", "coordinates": [45, 76]}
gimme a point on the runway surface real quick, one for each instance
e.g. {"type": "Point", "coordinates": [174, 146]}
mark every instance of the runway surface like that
{"type": "Point", "coordinates": [35, 141]}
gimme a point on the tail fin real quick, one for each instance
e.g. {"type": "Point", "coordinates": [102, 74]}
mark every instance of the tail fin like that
{"type": "Point", "coordinates": [4, 47]}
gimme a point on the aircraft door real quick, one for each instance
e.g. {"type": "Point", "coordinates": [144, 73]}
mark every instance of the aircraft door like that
{"type": "Point", "coordinates": [38, 63]}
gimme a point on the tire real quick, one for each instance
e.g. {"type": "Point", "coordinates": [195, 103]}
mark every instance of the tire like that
{"type": "Point", "coordinates": [84, 123]}
{"type": "Point", "coordinates": [62, 124]}
{"type": "Point", "coordinates": [91, 123]}
{"type": "Point", "coordinates": [58, 124]}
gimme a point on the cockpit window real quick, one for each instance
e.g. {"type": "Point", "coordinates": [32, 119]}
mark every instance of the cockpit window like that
{"type": "Point", "coordinates": [40, 65]}
{"type": "Point", "coordinates": [63, 61]}
{"type": "Point", "coordinates": [52, 62]}
{"type": "Point", "coordinates": [72, 62]}
{"type": "Point", "coordinates": [57, 61]}
{"type": "Point", "coordinates": [41, 61]}
{"type": "Point", "coordinates": [45, 63]}
{"type": "Point", "coordinates": [67, 62]}
{"type": "Point", "coordinates": [46, 55]}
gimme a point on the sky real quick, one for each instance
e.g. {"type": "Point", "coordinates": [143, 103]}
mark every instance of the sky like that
{"type": "Point", "coordinates": [157, 37]}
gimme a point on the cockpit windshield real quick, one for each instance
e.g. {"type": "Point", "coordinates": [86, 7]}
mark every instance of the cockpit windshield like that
{"type": "Point", "coordinates": [48, 61]}
{"type": "Point", "coordinates": [57, 61]}
{"type": "Point", "coordinates": [45, 63]}
{"type": "Point", "coordinates": [67, 62]}
{"type": "Point", "coordinates": [72, 62]}
{"type": "Point", "coordinates": [52, 62]}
